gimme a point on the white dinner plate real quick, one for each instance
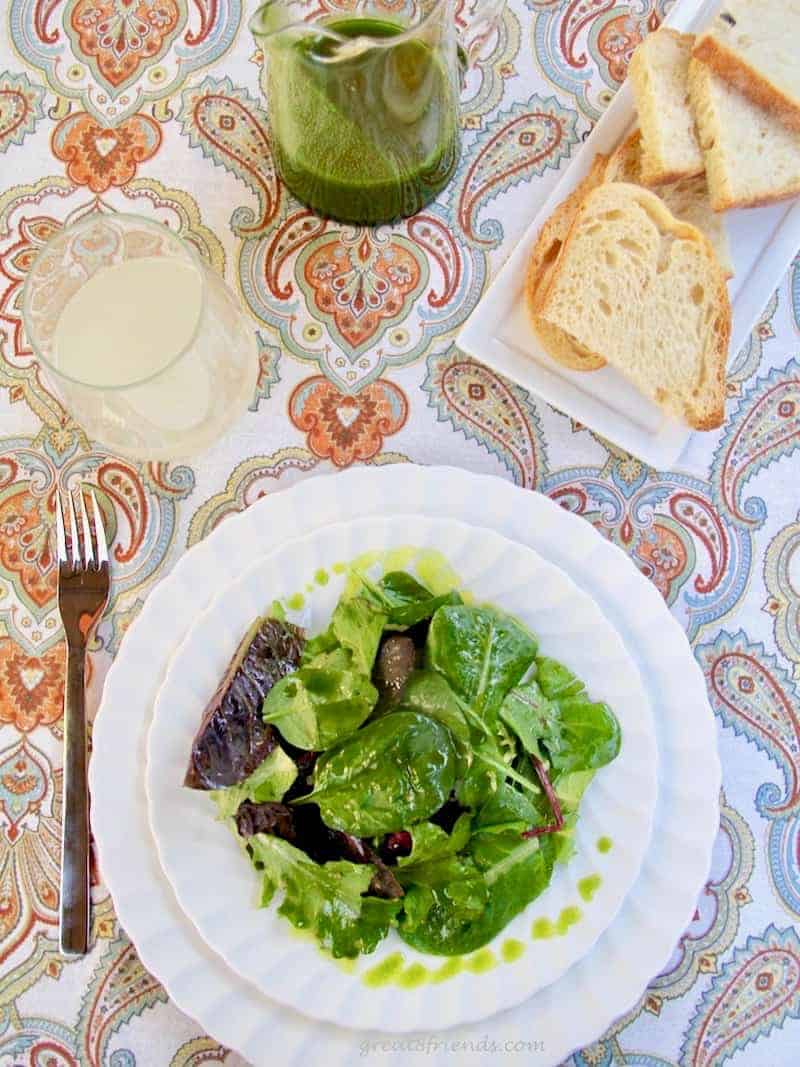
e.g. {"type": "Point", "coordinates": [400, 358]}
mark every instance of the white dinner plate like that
{"type": "Point", "coordinates": [763, 244]}
{"type": "Point", "coordinates": [217, 887]}
{"type": "Point", "coordinates": [661, 903]}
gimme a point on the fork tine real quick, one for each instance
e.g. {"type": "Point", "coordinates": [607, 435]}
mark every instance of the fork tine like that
{"type": "Point", "coordinates": [99, 530]}
{"type": "Point", "coordinates": [61, 540]}
{"type": "Point", "coordinates": [75, 547]}
{"type": "Point", "coordinates": [88, 550]}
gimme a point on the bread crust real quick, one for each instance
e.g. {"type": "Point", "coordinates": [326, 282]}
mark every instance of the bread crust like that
{"type": "Point", "coordinates": [722, 199]}
{"type": "Point", "coordinates": [557, 343]}
{"type": "Point", "coordinates": [708, 415]}
{"type": "Point", "coordinates": [733, 69]}
{"type": "Point", "coordinates": [650, 173]}
{"type": "Point", "coordinates": [667, 177]}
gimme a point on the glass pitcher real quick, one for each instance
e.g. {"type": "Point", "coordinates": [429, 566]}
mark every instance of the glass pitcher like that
{"type": "Point", "coordinates": [363, 99]}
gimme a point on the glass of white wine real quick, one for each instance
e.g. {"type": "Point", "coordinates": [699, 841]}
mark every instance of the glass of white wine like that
{"type": "Point", "coordinates": [145, 344]}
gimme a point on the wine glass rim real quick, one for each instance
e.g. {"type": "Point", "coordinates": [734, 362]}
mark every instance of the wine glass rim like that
{"type": "Point", "coordinates": [85, 223]}
{"type": "Point", "coordinates": [325, 29]}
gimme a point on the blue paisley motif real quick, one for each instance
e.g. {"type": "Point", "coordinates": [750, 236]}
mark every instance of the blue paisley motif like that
{"type": "Point", "coordinates": [783, 849]}
{"type": "Point", "coordinates": [488, 409]}
{"type": "Point", "coordinates": [670, 524]}
{"type": "Point", "coordinates": [755, 696]}
{"type": "Point", "coordinates": [518, 144]}
{"type": "Point", "coordinates": [755, 992]}
{"type": "Point", "coordinates": [748, 359]}
{"type": "Point", "coordinates": [764, 428]}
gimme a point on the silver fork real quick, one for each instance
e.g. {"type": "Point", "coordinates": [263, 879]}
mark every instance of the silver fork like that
{"type": "Point", "coordinates": [83, 585]}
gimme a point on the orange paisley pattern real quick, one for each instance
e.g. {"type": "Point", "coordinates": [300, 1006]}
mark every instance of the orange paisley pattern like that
{"type": "Point", "coordinates": [99, 156]}
{"type": "Point", "coordinates": [31, 687]}
{"type": "Point", "coordinates": [346, 429]}
{"type": "Point", "coordinates": [121, 35]}
{"type": "Point", "coordinates": [26, 554]}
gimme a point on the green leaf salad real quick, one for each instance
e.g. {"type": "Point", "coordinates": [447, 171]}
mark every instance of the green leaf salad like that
{"type": "Point", "coordinates": [417, 765]}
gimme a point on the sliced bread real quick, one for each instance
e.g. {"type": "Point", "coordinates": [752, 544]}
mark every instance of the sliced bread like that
{"type": "Point", "coordinates": [754, 45]}
{"type": "Point", "coordinates": [645, 291]}
{"type": "Point", "coordinates": [559, 345]}
{"type": "Point", "coordinates": [687, 199]}
{"type": "Point", "coordinates": [658, 75]}
{"type": "Point", "coordinates": [751, 158]}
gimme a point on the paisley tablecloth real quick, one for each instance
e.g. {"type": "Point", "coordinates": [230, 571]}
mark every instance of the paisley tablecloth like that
{"type": "Point", "coordinates": [153, 106]}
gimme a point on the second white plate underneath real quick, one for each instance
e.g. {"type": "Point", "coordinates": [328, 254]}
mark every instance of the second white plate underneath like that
{"type": "Point", "coordinates": [216, 886]}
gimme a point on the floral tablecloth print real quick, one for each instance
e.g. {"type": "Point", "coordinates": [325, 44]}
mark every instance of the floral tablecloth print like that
{"type": "Point", "coordinates": [152, 106]}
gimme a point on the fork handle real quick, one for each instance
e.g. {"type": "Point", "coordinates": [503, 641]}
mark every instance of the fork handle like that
{"type": "Point", "coordinates": [74, 925]}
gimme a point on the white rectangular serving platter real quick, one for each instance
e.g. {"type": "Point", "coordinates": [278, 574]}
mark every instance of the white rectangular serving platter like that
{"type": "Point", "coordinates": [763, 244]}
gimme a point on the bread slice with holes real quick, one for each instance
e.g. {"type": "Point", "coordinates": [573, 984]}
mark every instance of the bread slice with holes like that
{"type": "Point", "coordinates": [657, 72]}
{"type": "Point", "coordinates": [751, 158]}
{"type": "Point", "coordinates": [687, 199]}
{"type": "Point", "coordinates": [754, 46]}
{"type": "Point", "coordinates": [646, 293]}
{"type": "Point", "coordinates": [559, 345]}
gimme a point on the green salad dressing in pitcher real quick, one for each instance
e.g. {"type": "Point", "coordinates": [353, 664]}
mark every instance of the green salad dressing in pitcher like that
{"type": "Point", "coordinates": [363, 110]}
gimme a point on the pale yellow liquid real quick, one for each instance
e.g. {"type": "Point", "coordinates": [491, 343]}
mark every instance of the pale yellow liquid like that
{"type": "Point", "coordinates": [129, 321]}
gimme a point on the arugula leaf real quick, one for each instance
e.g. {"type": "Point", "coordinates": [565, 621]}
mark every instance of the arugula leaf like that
{"type": "Point", "coordinates": [482, 654]}
{"type": "Point", "coordinates": [317, 706]}
{"type": "Point", "coordinates": [389, 775]}
{"type": "Point", "coordinates": [325, 898]}
{"type": "Point", "coordinates": [554, 719]}
{"type": "Point", "coordinates": [269, 781]}
{"type": "Point", "coordinates": [533, 717]}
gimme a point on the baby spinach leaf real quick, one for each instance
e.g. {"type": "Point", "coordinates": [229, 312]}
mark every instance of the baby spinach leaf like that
{"type": "Point", "coordinates": [404, 600]}
{"type": "Point", "coordinates": [514, 872]}
{"type": "Point", "coordinates": [518, 874]}
{"type": "Point", "coordinates": [315, 707]}
{"type": "Point", "coordinates": [482, 654]}
{"type": "Point", "coordinates": [391, 774]}
{"type": "Point", "coordinates": [590, 733]}
{"type": "Point", "coordinates": [556, 680]}
{"type": "Point", "coordinates": [325, 898]}
{"type": "Point", "coordinates": [507, 813]}
{"type": "Point", "coordinates": [269, 781]}
{"type": "Point", "coordinates": [480, 779]}
{"type": "Point", "coordinates": [451, 886]}
{"type": "Point", "coordinates": [431, 842]}
{"type": "Point", "coordinates": [429, 693]}
{"type": "Point", "coordinates": [571, 787]}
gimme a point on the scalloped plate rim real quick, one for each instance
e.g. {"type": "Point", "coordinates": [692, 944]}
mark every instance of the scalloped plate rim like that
{"type": "Point", "coordinates": [172, 953]}
{"type": "Point", "coordinates": [421, 1007]}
